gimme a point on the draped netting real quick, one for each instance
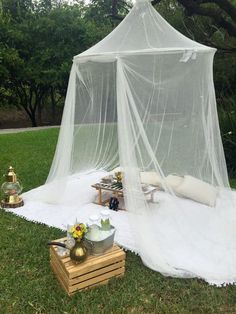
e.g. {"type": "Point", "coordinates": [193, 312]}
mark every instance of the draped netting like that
{"type": "Point", "coordinates": [143, 98]}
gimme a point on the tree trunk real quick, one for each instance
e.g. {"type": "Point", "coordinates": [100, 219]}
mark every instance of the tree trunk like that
{"type": "Point", "coordinates": [33, 121]}
{"type": "Point", "coordinates": [39, 113]}
{"type": "Point", "coordinates": [31, 114]}
{"type": "Point", "coordinates": [26, 104]}
{"type": "Point", "coordinates": [53, 107]}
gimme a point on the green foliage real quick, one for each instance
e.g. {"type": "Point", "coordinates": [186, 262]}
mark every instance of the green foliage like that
{"type": "Point", "coordinates": [28, 284]}
{"type": "Point", "coordinates": [105, 11]}
{"type": "Point", "coordinates": [225, 80]}
{"type": "Point", "coordinates": [17, 9]}
{"type": "Point", "coordinates": [205, 30]}
{"type": "Point", "coordinates": [228, 133]}
{"type": "Point", "coordinates": [173, 13]}
{"type": "Point", "coordinates": [37, 48]}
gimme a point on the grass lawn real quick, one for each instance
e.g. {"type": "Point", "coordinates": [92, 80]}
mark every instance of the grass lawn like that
{"type": "Point", "coordinates": [27, 284]}
{"type": "Point", "coordinates": [233, 183]}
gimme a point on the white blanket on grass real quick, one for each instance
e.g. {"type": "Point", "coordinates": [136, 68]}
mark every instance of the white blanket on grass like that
{"type": "Point", "coordinates": [194, 240]}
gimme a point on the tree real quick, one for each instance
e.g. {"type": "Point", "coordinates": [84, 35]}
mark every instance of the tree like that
{"type": "Point", "coordinates": [111, 10]}
{"type": "Point", "coordinates": [221, 12]}
{"type": "Point", "coordinates": [39, 38]}
{"type": "Point", "coordinates": [36, 54]}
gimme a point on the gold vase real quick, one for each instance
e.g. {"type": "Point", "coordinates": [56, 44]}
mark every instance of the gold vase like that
{"type": "Point", "coordinates": [78, 253]}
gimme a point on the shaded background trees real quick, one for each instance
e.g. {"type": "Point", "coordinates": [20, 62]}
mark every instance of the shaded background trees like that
{"type": "Point", "coordinates": [38, 41]}
{"type": "Point", "coordinates": [39, 38]}
{"type": "Point", "coordinates": [213, 22]}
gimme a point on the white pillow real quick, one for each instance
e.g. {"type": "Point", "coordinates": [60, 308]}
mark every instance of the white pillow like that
{"type": "Point", "coordinates": [197, 190]}
{"type": "Point", "coordinates": [173, 181]}
{"type": "Point", "coordinates": [151, 178]}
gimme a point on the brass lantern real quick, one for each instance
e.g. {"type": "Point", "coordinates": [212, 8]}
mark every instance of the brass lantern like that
{"type": "Point", "coordinates": [11, 189]}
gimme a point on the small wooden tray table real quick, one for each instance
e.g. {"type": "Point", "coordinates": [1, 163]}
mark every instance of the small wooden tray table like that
{"type": "Point", "coordinates": [117, 191]}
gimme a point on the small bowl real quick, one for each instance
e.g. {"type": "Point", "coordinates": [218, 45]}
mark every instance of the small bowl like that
{"type": "Point", "coordinates": [107, 180]}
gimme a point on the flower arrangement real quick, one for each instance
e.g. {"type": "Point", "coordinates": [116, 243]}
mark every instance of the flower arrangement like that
{"type": "Point", "coordinates": [78, 231]}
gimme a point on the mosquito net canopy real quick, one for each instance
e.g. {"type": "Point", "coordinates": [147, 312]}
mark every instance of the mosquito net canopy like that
{"type": "Point", "coordinates": [143, 99]}
{"type": "Point", "coordinates": [154, 87]}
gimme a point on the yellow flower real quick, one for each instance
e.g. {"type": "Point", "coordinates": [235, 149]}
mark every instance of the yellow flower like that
{"type": "Point", "coordinates": [72, 229]}
{"type": "Point", "coordinates": [79, 233]}
{"type": "Point", "coordinates": [75, 235]}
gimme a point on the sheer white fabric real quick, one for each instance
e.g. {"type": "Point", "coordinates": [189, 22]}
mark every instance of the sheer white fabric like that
{"type": "Point", "coordinates": [143, 98]}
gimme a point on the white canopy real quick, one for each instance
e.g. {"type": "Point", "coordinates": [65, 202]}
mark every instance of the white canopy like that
{"type": "Point", "coordinates": [143, 98]}
{"type": "Point", "coordinates": [143, 31]}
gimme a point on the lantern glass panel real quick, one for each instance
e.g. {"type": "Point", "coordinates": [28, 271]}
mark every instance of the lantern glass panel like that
{"type": "Point", "coordinates": [11, 188]}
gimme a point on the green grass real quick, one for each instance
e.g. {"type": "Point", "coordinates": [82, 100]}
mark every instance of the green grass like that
{"type": "Point", "coordinates": [233, 183]}
{"type": "Point", "coordinates": [27, 284]}
{"type": "Point", "coordinates": [30, 153]}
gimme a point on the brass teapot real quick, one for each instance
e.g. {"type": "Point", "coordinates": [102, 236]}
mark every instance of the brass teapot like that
{"type": "Point", "coordinates": [78, 252]}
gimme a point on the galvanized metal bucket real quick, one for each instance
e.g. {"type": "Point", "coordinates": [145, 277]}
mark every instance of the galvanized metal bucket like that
{"type": "Point", "coordinates": [100, 247]}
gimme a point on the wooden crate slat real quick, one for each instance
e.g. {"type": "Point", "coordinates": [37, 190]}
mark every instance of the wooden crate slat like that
{"type": "Point", "coordinates": [94, 260]}
{"type": "Point", "coordinates": [85, 268]}
{"type": "Point", "coordinates": [90, 287]}
{"type": "Point", "coordinates": [69, 265]}
{"type": "Point", "coordinates": [97, 272]}
{"type": "Point", "coordinates": [60, 270]}
{"type": "Point", "coordinates": [100, 283]}
{"type": "Point", "coordinates": [58, 277]}
{"type": "Point", "coordinates": [98, 279]}
{"type": "Point", "coordinates": [55, 256]}
{"type": "Point", "coordinates": [111, 251]}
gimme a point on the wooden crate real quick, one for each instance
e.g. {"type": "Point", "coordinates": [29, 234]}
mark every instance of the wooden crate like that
{"type": "Point", "coordinates": [96, 270]}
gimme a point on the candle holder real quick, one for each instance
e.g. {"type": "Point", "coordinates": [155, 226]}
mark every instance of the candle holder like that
{"type": "Point", "coordinates": [119, 178]}
{"type": "Point", "coordinates": [11, 189]}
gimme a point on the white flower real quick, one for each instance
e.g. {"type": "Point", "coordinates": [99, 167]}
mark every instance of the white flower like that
{"type": "Point", "coordinates": [230, 132]}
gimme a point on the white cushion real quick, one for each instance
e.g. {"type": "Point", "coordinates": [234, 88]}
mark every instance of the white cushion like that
{"type": "Point", "coordinates": [173, 181]}
{"type": "Point", "coordinates": [197, 190]}
{"type": "Point", "coordinates": [151, 178]}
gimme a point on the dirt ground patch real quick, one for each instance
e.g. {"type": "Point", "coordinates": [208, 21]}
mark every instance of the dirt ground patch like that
{"type": "Point", "coordinates": [11, 118]}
